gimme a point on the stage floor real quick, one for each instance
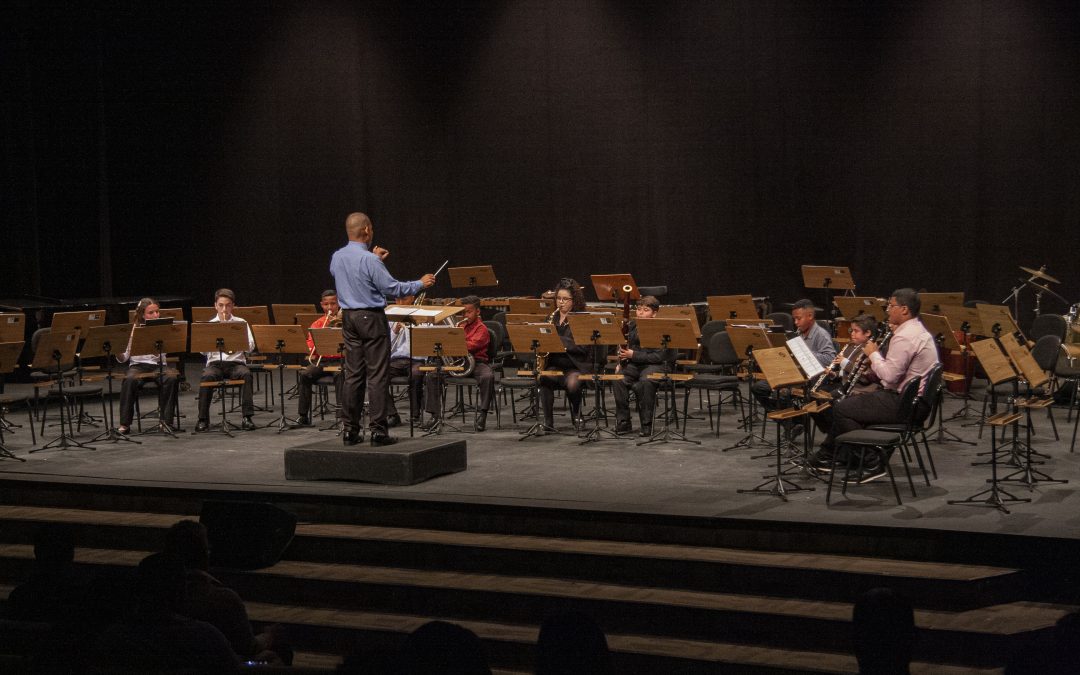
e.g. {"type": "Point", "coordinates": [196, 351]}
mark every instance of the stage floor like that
{"type": "Point", "coordinates": [670, 478]}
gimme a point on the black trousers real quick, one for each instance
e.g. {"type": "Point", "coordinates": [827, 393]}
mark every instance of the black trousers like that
{"type": "Point", "coordinates": [367, 367]}
{"type": "Point", "coordinates": [226, 370]}
{"type": "Point", "coordinates": [308, 376]}
{"type": "Point", "coordinates": [409, 368]}
{"type": "Point", "coordinates": [129, 389]}
{"type": "Point", "coordinates": [864, 410]}
{"type": "Point", "coordinates": [485, 388]}
{"type": "Point", "coordinates": [635, 377]}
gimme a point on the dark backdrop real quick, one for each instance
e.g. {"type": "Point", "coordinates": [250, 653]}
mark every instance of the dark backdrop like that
{"type": "Point", "coordinates": [174, 147]}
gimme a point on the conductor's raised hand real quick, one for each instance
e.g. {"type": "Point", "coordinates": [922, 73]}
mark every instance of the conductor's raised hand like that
{"type": "Point", "coordinates": [428, 280]}
{"type": "Point", "coordinates": [381, 252]}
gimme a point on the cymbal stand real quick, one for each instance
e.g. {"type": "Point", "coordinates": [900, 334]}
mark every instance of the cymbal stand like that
{"type": "Point", "coordinates": [111, 435]}
{"type": "Point", "coordinates": [597, 433]}
{"type": "Point", "coordinates": [750, 420]}
{"type": "Point", "coordinates": [65, 440]}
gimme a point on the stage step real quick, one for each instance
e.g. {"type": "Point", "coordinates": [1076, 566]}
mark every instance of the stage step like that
{"type": "Point", "coordinates": [314, 591]}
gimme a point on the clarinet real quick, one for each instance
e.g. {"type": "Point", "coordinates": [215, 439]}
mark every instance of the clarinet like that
{"type": "Point", "coordinates": [832, 370]}
{"type": "Point", "coordinates": [863, 364]}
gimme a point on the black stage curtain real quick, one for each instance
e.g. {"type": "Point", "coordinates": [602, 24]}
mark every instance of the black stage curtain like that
{"type": "Point", "coordinates": [712, 146]}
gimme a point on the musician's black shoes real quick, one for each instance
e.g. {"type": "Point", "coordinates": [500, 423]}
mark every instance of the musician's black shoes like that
{"type": "Point", "coordinates": [350, 438]}
{"type": "Point", "coordinates": [481, 421]}
{"type": "Point", "coordinates": [393, 421]}
{"type": "Point", "coordinates": [248, 425]}
{"type": "Point", "coordinates": [303, 421]}
{"type": "Point", "coordinates": [623, 428]}
{"type": "Point", "coordinates": [202, 425]}
{"type": "Point", "coordinates": [382, 438]}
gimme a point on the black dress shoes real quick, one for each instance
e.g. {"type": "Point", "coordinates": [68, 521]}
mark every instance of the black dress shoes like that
{"type": "Point", "coordinates": [303, 421]}
{"type": "Point", "coordinates": [481, 421]}
{"type": "Point", "coordinates": [248, 425]}
{"type": "Point", "coordinates": [623, 428]}
{"type": "Point", "coordinates": [382, 438]}
{"type": "Point", "coordinates": [393, 421]}
{"type": "Point", "coordinates": [350, 438]}
{"type": "Point", "coordinates": [202, 425]}
{"type": "Point", "coordinates": [645, 432]}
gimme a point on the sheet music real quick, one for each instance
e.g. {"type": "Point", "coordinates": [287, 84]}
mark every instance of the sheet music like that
{"type": "Point", "coordinates": [408, 310]}
{"type": "Point", "coordinates": [806, 359]}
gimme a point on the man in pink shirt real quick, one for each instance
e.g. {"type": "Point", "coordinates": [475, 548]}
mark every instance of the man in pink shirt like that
{"type": "Point", "coordinates": [911, 353]}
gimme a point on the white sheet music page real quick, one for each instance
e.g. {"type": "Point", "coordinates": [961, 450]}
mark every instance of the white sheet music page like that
{"type": "Point", "coordinates": [807, 361]}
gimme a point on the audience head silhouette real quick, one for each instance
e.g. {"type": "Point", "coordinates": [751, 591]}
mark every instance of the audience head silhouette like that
{"type": "Point", "coordinates": [571, 643]}
{"type": "Point", "coordinates": [442, 648]}
{"type": "Point", "coordinates": [884, 632]}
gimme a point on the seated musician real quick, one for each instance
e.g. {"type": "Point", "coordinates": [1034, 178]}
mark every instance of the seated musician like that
{"type": "Point", "coordinates": [636, 363]}
{"type": "Point", "coordinates": [837, 379]}
{"type": "Point", "coordinates": [140, 367]}
{"type": "Point", "coordinates": [331, 318]}
{"type": "Point", "coordinates": [569, 297]}
{"type": "Point", "coordinates": [817, 340]}
{"type": "Point", "coordinates": [227, 365]}
{"type": "Point", "coordinates": [912, 353]}
{"type": "Point", "coordinates": [404, 364]}
{"type": "Point", "coordinates": [478, 341]}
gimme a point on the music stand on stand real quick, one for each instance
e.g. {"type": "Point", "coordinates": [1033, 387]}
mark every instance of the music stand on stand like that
{"type": "Point", "coordinates": [479, 276]}
{"type": "Point", "coordinates": [732, 308]}
{"type": "Point", "coordinates": [970, 325]}
{"type": "Point", "coordinates": [998, 371]}
{"type": "Point", "coordinates": [610, 287]}
{"type": "Point", "coordinates": [220, 337]}
{"type": "Point", "coordinates": [58, 350]}
{"type": "Point", "coordinates": [828, 278]}
{"type": "Point", "coordinates": [602, 330]}
{"type": "Point", "coordinates": [283, 339]}
{"type": "Point", "coordinates": [746, 340]}
{"type": "Point", "coordinates": [99, 342]}
{"type": "Point", "coordinates": [437, 342]}
{"type": "Point", "coordinates": [852, 306]}
{"type": "Point", "coordinates": [540, 338]}
{"type": "Point", "coordinates": [161, 338]}
{"type": "Point", "coordinates": [1035, 377]}
{"type": "Point", "coordinates": [780, 370]}
{"type": "Point", "coordinates": [668, 334]}
{"type": "Point", "coordinates": [331, 341]}
{"type": "Point", "coordinates": [945, 338]}
{"type": "Point", "coordinates": [9, 360]}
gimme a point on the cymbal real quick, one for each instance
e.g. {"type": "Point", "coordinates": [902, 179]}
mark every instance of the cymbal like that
{"type": "Point", "coordinates": [1045, 289]}
{"type": "Point", "coordinates": [1040, 274]}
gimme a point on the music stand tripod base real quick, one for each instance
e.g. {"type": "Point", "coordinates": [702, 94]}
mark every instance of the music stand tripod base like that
{"type": "Point", "coordinates": [224, 426]}
{"type": "Point", "coordinates": [776, 485]}
{"type": "Point", "coordinates": [996, 497]}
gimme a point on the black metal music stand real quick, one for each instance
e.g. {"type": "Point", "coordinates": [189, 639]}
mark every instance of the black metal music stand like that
{"type": "Point", "coordinates": [746, 339]}
{"type": "Point", "coordinates": [437, 342]}
{"type": "Point", "coordinates": [540, 338]}
{"type": "Point", "coordinates": [221, 337]}
{"type": "Point", "coordinates": [168, 337]}
{"type": "Point", "coordinates": [283, 339]}
{"type": "Point", "coordinates": [664, 334]}
{"type": "Point", "coordinates": [327, 341]}
{"type": "Point", "coordinates": [604, 330]}
{"type": "Point", "coordinates": [99, 342]}
{"type": "Point", "coordinates": [59, 349]}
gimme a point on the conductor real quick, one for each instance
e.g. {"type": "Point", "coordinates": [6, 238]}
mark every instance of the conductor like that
{"type": "Point", "coordinates": [363, 284]}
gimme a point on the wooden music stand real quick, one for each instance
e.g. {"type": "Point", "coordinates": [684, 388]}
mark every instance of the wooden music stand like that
{"type": "Point", "coordinates": [536, 338]}
{"type": "Point", "coordinates": [747, 341]}
{"type": "Point", "coordinates": [436, 342]}
{"type": "Point", "coordinates": [282, 339]}
{"type": "Point", "coordinates": [961, 316]}
{"type": "Point", "coordinates": [941, 329]}
{"type": "Point", "coordinates": [12, 326]}
{"type": "Point", "coordinates": [253, 314]}
{"type": "Point", "coordinates": [668, 334]}
{"type": "Point", "coordinates": [285, 314]}
{"type": "Point", "coordinates": [174, 313]}
{"type": "Point", "coordinates": [602, 329]}
{"type": "Point", "coordinates": [933, 302]}
{"type": "Point", "coordinates": [852, 306]}
{"type": "Point", "coordinates": [610, 286]}
{"type": "Point", "coordinates": [543, 306]}
{"type": "Point", "coordinates": [220, 337]}
{"type": "Point", "coordinates": [830, 278]}
{"type": "Point", "coordinates": [479, 276]}
{"type": "Point", "coordinates": [78, 321]}
{"type": "Point", "coordinates": [328, 341]}
{"type": "Point", "coordinates": [526, 318]}
{"type": "Point", "coordinates": [56, 352]}
{"type": "Point", "coordinates": [732, 308]}
{"type": "Point", "coordinates": [107, 341]}
{"type": "Point", "coordinates": [996, 315]}
{"type": "Point", "coordinates": [780, 370]}
{"type": "Point", "coordinates": [305, 319]}
{"type": "Point", "coordinates": [9, 360]}
{"type": "Point", "coordinates": [202, 314]}
{"type": "Point", "coordinates": [682, 312]}
{"type": "Point", "coordinates": [169, 338]}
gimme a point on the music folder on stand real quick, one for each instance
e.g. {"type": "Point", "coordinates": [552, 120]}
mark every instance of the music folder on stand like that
{"type": "Point", "coordinates": [107, 341]}
{"type": "Point", "coordinates": [668, 334]}
{"type": "Point", "coordinates": [282, 339]}
{"type": "Point", "coordinates": [536, 338]}
{"type": "Point", "coordinates": [220, 337]}
{"type": "Point", "coordinates": [437, 342]}
{"type": "Point", "coordinates": [602, 329]}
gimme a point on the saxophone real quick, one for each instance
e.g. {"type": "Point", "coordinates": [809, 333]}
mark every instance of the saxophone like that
{"type": "Point", "coordinates": [541, 357]}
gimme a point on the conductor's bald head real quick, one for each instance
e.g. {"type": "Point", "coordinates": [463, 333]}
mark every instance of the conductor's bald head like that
{"type": "Point", "coordinates": [358, 227]}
